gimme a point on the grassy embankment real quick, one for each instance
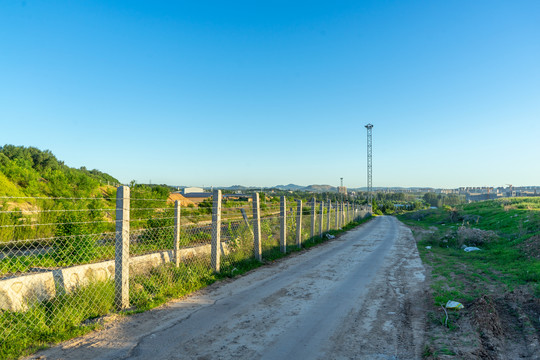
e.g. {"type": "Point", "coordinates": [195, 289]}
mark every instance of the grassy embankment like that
{"type": "Point", "coordinates": [509, 243]}
{"type": "Point", "coordinates": [508, 233]}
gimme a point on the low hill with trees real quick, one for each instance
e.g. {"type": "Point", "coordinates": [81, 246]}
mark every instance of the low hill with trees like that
{"type": "Point", "coordinates": [37, 188]}
{"type": "Point", "coordinates": [28, 171]}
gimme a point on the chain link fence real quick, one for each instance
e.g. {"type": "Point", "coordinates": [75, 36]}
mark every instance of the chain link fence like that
{"type": "Point", "coordinates": [44, 292]}
{"type": "Point", "coordinates": [66, 262]}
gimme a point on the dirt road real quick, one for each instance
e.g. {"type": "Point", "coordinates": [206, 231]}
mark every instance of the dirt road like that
{"type": "Point", "coordinates": [357, 297]}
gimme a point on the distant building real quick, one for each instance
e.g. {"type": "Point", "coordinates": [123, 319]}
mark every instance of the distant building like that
{"type": "Point", "coordinates": [342, 190]}
{"type": "Point", "coordinates": [193, 194]}
{"type": "Point", "coordinates": [448, 191]}
{"type": "Point", "coordinates": [190, 190]}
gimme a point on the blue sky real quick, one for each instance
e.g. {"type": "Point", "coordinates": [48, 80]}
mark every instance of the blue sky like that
{"type": "Point", "coordinates": [275, 92]}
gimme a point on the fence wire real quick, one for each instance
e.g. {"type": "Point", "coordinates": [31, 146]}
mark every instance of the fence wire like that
{"type": "Point", "coordinates": [291, 226]}
{"type": "Point", "coordinates": [270, 227]}
{"type": "Point", "coordinates": [237, 244]}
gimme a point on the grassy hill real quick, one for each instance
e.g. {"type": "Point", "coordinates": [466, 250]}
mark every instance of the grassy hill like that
{"type": "Point", "coordinates": [36, 188]}
{"type": "Point", "coordinates": [29, 177]}
{"type": "Point", "coordinates": [28, 171]}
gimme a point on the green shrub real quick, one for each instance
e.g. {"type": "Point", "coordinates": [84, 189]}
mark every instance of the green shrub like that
{"type": "Point", "coordinates": [74, 242]}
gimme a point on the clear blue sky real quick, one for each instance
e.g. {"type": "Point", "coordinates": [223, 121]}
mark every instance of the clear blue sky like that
{"type": "Point", "coordinates": [276, 92]}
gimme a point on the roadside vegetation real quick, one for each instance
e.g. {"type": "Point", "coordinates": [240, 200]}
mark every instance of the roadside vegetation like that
{"type": "Point", "coordinates": [499, 285]}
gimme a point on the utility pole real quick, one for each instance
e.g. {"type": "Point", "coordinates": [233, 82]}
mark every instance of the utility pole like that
{"type": "Point", "coordinates": [369, 128]}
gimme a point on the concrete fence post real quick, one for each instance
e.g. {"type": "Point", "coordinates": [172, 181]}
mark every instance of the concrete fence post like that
{"type": "Point", "coordinates": [257, 251]}
{"type": "Point", "coordinates": [338, 214]}
{"type": "Point", "coordinates": [342, 214]}
{"type": "Point", "coordinates": [348, 214]}
{"type": "Point", "coordinates": [177, 233]}
{"type": "Point", "coordinates": [215, 252]}
{"type": "Point", "coordinates": [321, 218]}
{"type": "Point", "coordinates": [299, 223]}
{"type": "Point", "coordinates": [313, 216]}
{"type": "Point", "coordinates": [328, 215]}
{"type": "Point", "coordinates": [283, 225]}
{"type": "Point", "coordinates": [121, 252]}
{"type": "Point", "coordinates": [336, 225]}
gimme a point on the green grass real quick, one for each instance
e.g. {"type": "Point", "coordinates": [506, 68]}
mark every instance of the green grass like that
{"type": "Point", "coordinates": [53, 321]}
{"type": "Point", "coordinates": [501, 266]}
{"type": "Point", "coordinates": [461, 276]}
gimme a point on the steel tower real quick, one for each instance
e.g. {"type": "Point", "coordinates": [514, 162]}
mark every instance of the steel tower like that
{"type": "Point", "coordinates": [369, 128]}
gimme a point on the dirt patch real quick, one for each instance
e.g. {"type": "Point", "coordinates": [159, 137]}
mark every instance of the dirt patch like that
{"type": "Point", "coordinates": [420, 233]}
{"type": "Point", "coordinates": [26, 208]}
{"type": "Point", "coordinates": [488, 325]}
{"type": "Point", "coordinates": [418, 215]}
{"type": "Point", "coordinates": [475, 237]}
{"type": "Point", "coordinates": [531, 247]}
{"type": "Point", "coordinates": [493, 327]}
{"type": "Point", "coordinates": [455, 238]}
{"type": "Point", "coordinates": [182, 200]}
{"type": "Point", "coordinates": [499, 324]}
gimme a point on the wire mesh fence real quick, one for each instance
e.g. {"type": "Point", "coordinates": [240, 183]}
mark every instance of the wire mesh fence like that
{"type": "Point", "coordinates": [291, 226]}
{"type": "Point", "coordinates": [236, 239]}
{"type": "Point", "coordinates": [270, 236]}
{"type": "Point", "coordinates": [64, 261]}
{"type": "Point", "coordinates": [44, 291]}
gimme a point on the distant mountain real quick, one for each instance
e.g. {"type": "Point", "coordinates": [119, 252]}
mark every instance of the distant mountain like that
{"type": "Point", "coordinates": [291, 187]}
{"type": "Point", "coordinates": [320, 188]}
{"type": "Point", "coordinates": [238, 187]}
{"type": "Point", "coordinates": [310, 188]}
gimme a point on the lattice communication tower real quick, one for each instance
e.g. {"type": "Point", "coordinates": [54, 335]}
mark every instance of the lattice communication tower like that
{"type": "Point", "coordinates": [369, 128]}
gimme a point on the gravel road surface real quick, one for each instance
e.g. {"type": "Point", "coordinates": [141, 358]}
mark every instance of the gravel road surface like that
{"type": "Point", "coordinates": [360, 296]}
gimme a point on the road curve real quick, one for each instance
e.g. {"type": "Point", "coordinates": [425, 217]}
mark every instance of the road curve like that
{"type": "Point", "coordinates": [357, 297]}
